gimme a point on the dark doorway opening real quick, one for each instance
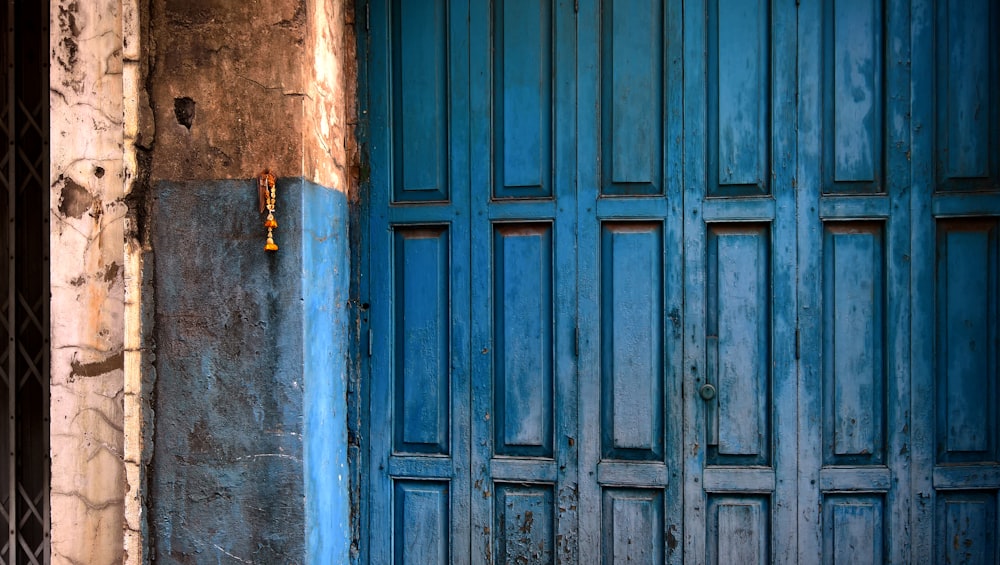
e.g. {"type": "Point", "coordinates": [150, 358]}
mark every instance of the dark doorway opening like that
{"type": "Point", "coordinates": [24, 275]}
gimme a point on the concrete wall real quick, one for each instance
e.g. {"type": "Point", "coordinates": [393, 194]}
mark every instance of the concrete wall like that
{"type": "Point", "coordinates": [198, 384]}
{"type": "Point", "coordinates": [246, 344]}
{"type": "Point", "coordinates": [246, 459]}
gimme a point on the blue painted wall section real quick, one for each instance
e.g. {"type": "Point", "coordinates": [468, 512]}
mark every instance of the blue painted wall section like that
{"type": "Point", "coordinates": [325, 281]}
{"type": "Point", "coordinates": [250, 363]}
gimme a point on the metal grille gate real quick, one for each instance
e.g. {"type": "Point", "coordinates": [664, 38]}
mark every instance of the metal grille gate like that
{"type": "Point", "coordinates": [24, 298]}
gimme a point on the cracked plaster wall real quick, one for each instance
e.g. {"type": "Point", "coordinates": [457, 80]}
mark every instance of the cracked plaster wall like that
{"type": "Point", "coordinates": [87, 258]}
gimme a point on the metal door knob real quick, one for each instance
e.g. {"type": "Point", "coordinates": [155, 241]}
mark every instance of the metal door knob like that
{"type": "Point", "coordinates": [707, 392]}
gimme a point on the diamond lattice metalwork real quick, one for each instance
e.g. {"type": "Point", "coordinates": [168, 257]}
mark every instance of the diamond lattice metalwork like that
{"type": "Point", "coordinates": [24, 301]}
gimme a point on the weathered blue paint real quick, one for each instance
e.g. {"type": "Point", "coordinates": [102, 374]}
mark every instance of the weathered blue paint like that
{"type": "Point", "coordinates": [249, 408]}
{"type": "Point", "coordinates": [324, 287]}
{"type": "Point", "coordinates": [795, 203]}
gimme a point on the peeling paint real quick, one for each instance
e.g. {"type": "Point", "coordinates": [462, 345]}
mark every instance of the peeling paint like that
{"type": "Point", "coordinates": [74, 200]}
{"type": "Point", "coordinates": [96, 368]}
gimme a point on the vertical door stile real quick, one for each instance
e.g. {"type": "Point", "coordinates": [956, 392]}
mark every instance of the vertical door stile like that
{"type": "Point", "coordinates": [675, 364]}
{"type": "Point", "coordinates": [11, 298]}
{"type": "Point", "coordinates": [377, 544]}
{"type": "Point", "coordinates": [898, 367]}
{"type": "Point", "coordinates": [588, 299]}
{"type": "Point", "coordinates": [922, 258]}
{"type": "Point", "coordinates": [459, 49]}
{"type": "Point", "coordinates": [695, 284]}
{"type": "Point", "coordinates": [481, 37]}
{"type": "Point", "coordinates": [568, 423]}
{"type": "Point", "coordinates": [809, 269]}
{"type": "Point", "coordinates": [784, 125]}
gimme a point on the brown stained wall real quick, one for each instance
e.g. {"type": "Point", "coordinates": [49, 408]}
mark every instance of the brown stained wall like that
{"type": "Point", "coordinates": [236, 86]}
{"type": "Point", "coordinates": [232, 72]}
{"type": "Point", "coordinates": [227, 87]}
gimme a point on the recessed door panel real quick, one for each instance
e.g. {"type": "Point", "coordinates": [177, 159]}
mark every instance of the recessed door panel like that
{"type": "Point", "coordinates": [739, 342]}
{"type": "Point", "coordinates": [420, 100]}
{"type": "Point", "coordinates": [632, 98]}
{"type": "Point", "coordinates": [854, 84]}
{"type": "Point", "coordinates": [523, 113]}
{"type": "Point", "coordinates": [522, 318]}
{"type": "Point", "coordinates": [632, 340]}
{"type": "Point", "coordinates": [524, 524]}
{"type": "Point", "coordinates": [853, 343]}
{"type": "Point", "coordinates": [633, 526]}
{"type": "Point", "coordinates": [739, 67]}
{"type": "Point", "coordinates": [853, 529]}
{"type": "Point", "coordinates": [422, 356]}
{"type": "Point", "coordinates": [967, 527]}
{"type": "Point", "coordinates": [421, 522]}
{"type": "Point", "coordinates": [738, 530]}
{"type": "Point", "coordinates": [967, 340]}
{"type": "Point", "coordinates": [967, 82]}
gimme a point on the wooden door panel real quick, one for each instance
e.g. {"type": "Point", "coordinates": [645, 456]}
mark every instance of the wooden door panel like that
{"type": "Point", "coordinates": [421, 371]}
{"type": "Point", "coordinates": [420, 101]}
{"type": "Point", "coordinates": [968, 143]}
{"type": "Point", "coordinates": [968, 288]}
{"type": "Point", "coordinates": [739, 90]}
{"type": "Point", "coordinates": [632, 417]}
{"type": "Point", "coordinates": [416, 488]}
{"type": "Point", "coordinates": [853, 529]}
{"type": "Point", "coordinates": [854, 238]}
{"type": "Point", "coordinates": [632, 94]}
{"type": "Point", "coordinates": [523, 46]}
{"type": "Point", "coordinates": [740, 432]}
{"type": "Point", "coordinates": [524, 521]}
{"type": "Point", "coordinates": [854, 332]}
{"type": "Point", "coordinates": [853, 62]}
{"type": "Point", "coordinates": [966, 527]}
{"type": "Point", "coordinates": [739, 344]}
{"type": "Point", "coordinates": [633, 526]}
{"type": "Point", "coordinates": [955, 284]}
{"type": "Point", "coordinates": [738, 529]}
{"type": "Point", "coordinates": [523, 320]}
{"type": "Point", "coordinates": [522, 281]}
{"type": "Point", "coordinates": [421, 522]}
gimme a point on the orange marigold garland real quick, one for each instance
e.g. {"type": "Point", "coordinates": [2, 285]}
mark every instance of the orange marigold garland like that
{"type": "Point", "coordinates": [266, 194]}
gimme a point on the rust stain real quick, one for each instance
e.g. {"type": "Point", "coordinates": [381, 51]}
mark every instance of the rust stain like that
{"type": "Point", "coordinates": [529, 521]}
{"type": "Point", "coordinates": [671, 538]}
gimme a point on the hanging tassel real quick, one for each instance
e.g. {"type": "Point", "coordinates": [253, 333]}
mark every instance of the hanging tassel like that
{"type": "Point", "coordinates": [267, 198]}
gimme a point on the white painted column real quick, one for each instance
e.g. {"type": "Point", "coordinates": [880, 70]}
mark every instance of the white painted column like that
{"type": "Point", "coordinates": [87, 308]}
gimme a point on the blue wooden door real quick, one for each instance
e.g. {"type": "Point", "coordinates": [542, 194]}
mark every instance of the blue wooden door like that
{"type": "Point", "coordinates": [714, 281]}
{"type": "Point", "coordinates": [739, 247]}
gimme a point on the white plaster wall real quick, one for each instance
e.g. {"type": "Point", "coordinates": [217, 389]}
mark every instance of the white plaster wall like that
{"type": "Point", "coordinates": [87, 276]}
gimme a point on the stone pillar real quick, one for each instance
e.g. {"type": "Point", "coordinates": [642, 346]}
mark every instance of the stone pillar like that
{"type": "Point", "coordinates": [248, 407]}
{"type": "Point", "coordinates": [87, 281]}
